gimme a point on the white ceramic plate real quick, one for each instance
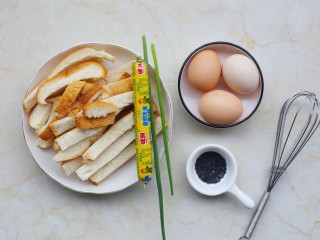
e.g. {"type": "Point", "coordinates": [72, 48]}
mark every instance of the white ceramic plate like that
{"type": "Point", "coordinates": [127, 174]}
{"type": "Point", "coordinates": [190, 96]}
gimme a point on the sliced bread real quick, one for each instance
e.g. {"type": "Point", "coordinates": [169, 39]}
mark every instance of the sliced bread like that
{"type": "Point", "coordinates": [116, 73]}
{"type": "Point", "coordinates": [111, 135]}
{"type": "Point", "coordinates": [98, 109]}
{"type": "Point", "coordinates": [39, 115]}
{"type": "Point", "coordinates": [87, 70]}
{"type": "Point", "coordinates": [83, 54]}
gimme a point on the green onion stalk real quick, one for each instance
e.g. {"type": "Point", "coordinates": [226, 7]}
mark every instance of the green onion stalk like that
{"type": "Point", "coordinates": [163, 118]}
{"type": "Point", "coordinates": [154, 143]}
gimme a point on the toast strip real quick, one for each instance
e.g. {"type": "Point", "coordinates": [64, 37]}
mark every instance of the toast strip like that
{"type": "Point", "coordinates": [30, 100]}
{"type": "Point", "coordinates": [98, 109]}
{"type": "Point", "coordinates": [53, 99]}
{"type": "Point", "coordinates": [90, 93]}
{"type": "Point", "coordinates": [111, 135]}
{"type": "Point", "coordinates": [87, 70]}
{"type": "Point", "coordinates": [86, 170]}
{"type": "Point", "coordinates": [69, 167]}
{"type": "Point", "coordinates": [105, 95]}
{"type": "Point", "coordinates": [124, 75]}
{"type": "Point", "coordinates": [119, 87]}
{"type": "Point", "coordinates": [68, 98]}
{"type": "Point", "coordinates": [89, 123]}
{"type": "Point", "coordinates": [116, 73]}
{"type": "Point", "coordinates": [44, 144]}
{"type": "Point", "coordinates": [62, 125]}
{"type": "Point", "coordinates": [114, 164]}
{"type": "Point", "coordinates": [45, 132]}
{"type": "Point", "coordinates": [83, 54]}
{"type": "Point", "coordinates": [75, 150]}
{"type": "Point", "coordinates": [120, 159]}
{"type": "Point", "coordinates": [76, 135]}
{"type": "Point", "coordinates": [40, 115]}
{"type": "Point", "coordinates": [121, 100]}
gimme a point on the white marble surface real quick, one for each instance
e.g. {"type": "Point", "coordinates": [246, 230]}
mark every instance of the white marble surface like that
{"type": "Point", "coordinates": [283, 36]}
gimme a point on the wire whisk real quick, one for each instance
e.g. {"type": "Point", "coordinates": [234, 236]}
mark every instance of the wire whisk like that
{"type": "Point", "coordinates": [299, 118]}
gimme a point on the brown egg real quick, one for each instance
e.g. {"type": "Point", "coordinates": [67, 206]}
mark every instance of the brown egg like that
{"type": "Point", "coordinates": [204, 70]}
{"type": "Point", "coordinates": [220, 107]}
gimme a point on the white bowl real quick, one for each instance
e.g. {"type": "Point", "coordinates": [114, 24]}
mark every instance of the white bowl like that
{"type": "Point", "coordinates": [127, 174]}
{"type": "Point", "coordinates": [190, 97]}
{"type": "Point", "coordinates": [226, 184]}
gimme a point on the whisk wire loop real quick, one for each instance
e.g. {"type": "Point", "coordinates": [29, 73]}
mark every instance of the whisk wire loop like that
{"type": "Point", "coordinates": [283, 154]}
{"type": "Point", "coordinates": [284, 151]}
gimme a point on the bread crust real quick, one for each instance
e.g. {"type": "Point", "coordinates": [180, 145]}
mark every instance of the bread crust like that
{"type": "Point", "coordinates": [81, 55]}
{"type": "Point", "coordinates": [30, 100]}
{"type": "Point", "coordinates": [84, 71]}
{"type": "Point", "coordinates": [68, 98]}
{"type": "Point", "coordinates": [45, 132]}
{"type": "Point", "coordinates": [124, 75]}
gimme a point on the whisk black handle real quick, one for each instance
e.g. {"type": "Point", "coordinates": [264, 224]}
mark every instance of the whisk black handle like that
{"type": "Point", "coordinates": [256, 216]}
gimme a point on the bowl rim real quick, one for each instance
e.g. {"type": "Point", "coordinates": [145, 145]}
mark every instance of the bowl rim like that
{"type": "Point", "coordinates": [183, 67]}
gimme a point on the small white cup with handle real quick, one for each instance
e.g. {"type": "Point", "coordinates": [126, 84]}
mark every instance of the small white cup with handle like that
{"type": "Point", "coordinates": [226, 184]}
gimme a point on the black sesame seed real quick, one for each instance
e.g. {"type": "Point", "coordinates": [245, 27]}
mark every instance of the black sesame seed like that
{"type": "Point", "coordinates": [211, 167]}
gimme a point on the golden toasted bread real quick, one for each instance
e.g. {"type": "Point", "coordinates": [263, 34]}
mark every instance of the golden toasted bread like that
{"type": "Point", "coordinates": [87, 95]}
{"type": "Point", "coordinates": [46, 132]}
{"type": "Point", "coordinates": [124, 75]}
{"type": "Point", "coordinates": [87, 70]}
{"type": "Point", "coordinates": [68, 98]}
{"type": "Point", "coordinates": [98, 109]}
{"type": "Point", "coordinates": [119, 87]}
{"type": "Point", "coordinates": [87, 123]}
{"type": "Point", "coordinates": [81, 55]}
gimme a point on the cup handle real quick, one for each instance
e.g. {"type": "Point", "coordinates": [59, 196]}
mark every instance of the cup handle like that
{"type": "Point", "coordinates": [243, 198]}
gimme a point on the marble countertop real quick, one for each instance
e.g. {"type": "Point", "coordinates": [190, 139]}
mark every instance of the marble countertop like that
{"type": "Point", "coordinates": [283, 36]}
